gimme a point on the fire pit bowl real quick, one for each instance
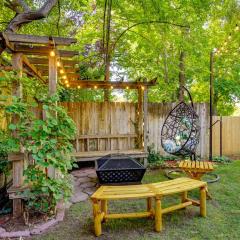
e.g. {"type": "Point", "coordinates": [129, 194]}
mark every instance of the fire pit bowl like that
{"type": "Point", "coordinates": [119, 169]}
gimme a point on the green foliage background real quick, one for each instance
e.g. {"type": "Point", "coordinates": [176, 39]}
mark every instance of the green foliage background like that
{"type": "Point", "coordinates": [152, 47]}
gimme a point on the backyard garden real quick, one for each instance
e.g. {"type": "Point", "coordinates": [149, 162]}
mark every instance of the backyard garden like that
{"type": "Point", "coordinates": [119, 119]}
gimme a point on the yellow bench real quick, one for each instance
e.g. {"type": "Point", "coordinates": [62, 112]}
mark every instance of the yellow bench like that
{"type": "Point", "coordinates": [146, 191]}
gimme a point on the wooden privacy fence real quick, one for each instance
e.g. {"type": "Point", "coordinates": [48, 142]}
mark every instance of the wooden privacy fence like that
{"type": "Point", "coordinates": [230, 136]}
{"type": "Point", "coordinates": [116, 122]}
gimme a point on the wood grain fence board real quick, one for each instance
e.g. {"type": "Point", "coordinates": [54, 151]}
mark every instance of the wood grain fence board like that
{"type": "Point", "coordinates": [120, 118]}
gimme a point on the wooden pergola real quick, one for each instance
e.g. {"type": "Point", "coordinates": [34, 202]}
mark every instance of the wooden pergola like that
{"type": "Point", "coordinates": [47, 59]}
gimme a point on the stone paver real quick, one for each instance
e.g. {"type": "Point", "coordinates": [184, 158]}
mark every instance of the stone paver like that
{"type": "Point", "coordinates": [84, 181]}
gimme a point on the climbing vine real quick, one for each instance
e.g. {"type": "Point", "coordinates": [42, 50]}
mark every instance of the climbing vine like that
{"type": "Point", "coordinates": [45, 133]}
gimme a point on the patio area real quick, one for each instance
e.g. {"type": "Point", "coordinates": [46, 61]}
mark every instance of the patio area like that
{"type": "Point", "coordinates": [223, 214]}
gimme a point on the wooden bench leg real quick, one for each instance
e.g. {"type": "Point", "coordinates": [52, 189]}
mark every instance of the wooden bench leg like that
{"type": "Point", "coordinates": [158, 215]}
{"type": "Point", "coordinates": [184, 197]}
{"type": "Point", "coordinates": [104, 208]}
{"type": "Point", "coordinates": [203, 211]}
{"type": "Point", "coordinates": [97, 218]}
{"type": "Point", "coordinates": [150, 207]}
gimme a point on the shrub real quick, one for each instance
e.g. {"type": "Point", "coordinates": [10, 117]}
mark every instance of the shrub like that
{"type": "Point", "coordinates": [221, 159]}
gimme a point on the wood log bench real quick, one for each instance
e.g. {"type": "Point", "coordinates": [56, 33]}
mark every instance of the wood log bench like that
{"type": "Point", "coordinates": [156, 191]}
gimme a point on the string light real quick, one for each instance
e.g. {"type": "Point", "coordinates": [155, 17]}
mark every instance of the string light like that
{"type": "Point", "coordinates": [61, 71]}
{"type": "Point", "coordinates": [78, 86]}
{"type": "Point", "coordinates": [52, 53]}
{"type": "Point", "coordinates": [67, 85]}
{"type": "Point", "coordinates": [111, 87]}
{"type": "Point", "coordinates": [95, 87]}
{"type": "Point", "coordinates": [64, 77]}
{"type": "Point", "coordinates": [66, 81]}
{"type": "Point", "coordinates": [143, 87]}
{"type": "Point", "coordinates": [127, 87]}
{"type": "Point", "coordinates": [236, 28]}
{"type": "Point", "coordinates": [58, 64]}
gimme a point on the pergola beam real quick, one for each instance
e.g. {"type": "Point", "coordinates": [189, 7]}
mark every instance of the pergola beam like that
{"type": "Point", "coordinates": [32, 68]}
{"type": "Point", "coordinates": [108, 84]}
{"type": "Point", "coordinates": [42, 51]}
{"type": "Point", "coordinates": [31, 39]}
{"type": "Point", "coordinates": [44, 61]}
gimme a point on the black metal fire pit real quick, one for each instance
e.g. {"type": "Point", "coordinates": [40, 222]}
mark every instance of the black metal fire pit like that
{"type": "Point", "coordinates": [119, 169]}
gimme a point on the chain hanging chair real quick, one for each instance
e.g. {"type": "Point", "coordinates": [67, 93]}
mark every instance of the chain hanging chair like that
{"type": "Point", "coordinates": [181, 130]}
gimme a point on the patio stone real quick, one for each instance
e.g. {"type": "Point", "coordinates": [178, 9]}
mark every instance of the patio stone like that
{"type": "Point", "coordinates": [2, 230]}
{"type": "Point", "coordinates": [79, 197]}
{"type": "Point", "coordinates": [43, 227]}
{"type": "Point", "coordinates": [17, 234]}
{"type": "Point", "coordinates": [92, 175]}
{"type": "Point", "coordinates": [83, 179]}
{"type": "Point", "coordinates": [88, 184]}
{"type": "Point", "coordinates": [90, 191]}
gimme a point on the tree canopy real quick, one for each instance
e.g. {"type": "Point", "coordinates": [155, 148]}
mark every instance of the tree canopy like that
{"type": "Point", "coordinates": [146, 40]}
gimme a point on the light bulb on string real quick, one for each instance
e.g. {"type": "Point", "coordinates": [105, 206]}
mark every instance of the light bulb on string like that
{"type": "Point", "coordinates": [111, 87]}
{"type": "Point", "coordinates": [95, 87]}
{"type": "Point", "coordinates": [64, 77]}
{"type": "Point", "coordinates": [236, 28]}
{"type": "Point", "coordinates": [67, 85]}
{"type": "Point", "coordinates": [66, 81]}
{"type": "Point", "coordinates": [52, 53]}
{"type": "Point", "coordinates": [127, 87]}
{"type": "Point", "coordinates": [78, 86]}
{"type": "Point", "coordinates": [58, 64]}
{"type": "Point", "coordinates": [61, 71]}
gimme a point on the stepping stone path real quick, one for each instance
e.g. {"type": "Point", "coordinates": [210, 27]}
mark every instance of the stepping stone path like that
{"type": "Point", "coordinates": [85, 184]}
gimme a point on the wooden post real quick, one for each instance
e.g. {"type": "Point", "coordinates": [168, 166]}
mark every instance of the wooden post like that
{"type": "Point", "coordinates": [52, 75]}
{"type": "Point", "coordinates": [211, 105]}
{"type": "Point", "coordinates": [158, 215]}
{"type": "Point", "coordinates": [17, 162]}
{"type": "Point", "coordinates": [140, 118]}
{"type": "Point", "coordinates": [52, 90]}
{"type": "Point", "coordinates": [203, 210]}
{"type": "Point", "coordinates": [97, 218]}
{"type": "Point", "coordinates": [145, 120]}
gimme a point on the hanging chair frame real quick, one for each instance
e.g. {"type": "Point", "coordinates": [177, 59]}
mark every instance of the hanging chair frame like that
{"type": "Point", "coordinates": [182, 151]}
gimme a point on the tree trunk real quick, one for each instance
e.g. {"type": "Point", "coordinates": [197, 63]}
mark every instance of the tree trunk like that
{"type": "Point", "coordinates": [181, 76]}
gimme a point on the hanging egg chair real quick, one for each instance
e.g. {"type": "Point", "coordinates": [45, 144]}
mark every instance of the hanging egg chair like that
{"type": "Point", "coordinates": [181, 130]}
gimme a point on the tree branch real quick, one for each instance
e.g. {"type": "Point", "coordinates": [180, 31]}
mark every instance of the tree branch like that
{"type": "Point", "coordinates": [28, 15]}
{"type": "Point", "coordinates": [147, 22]}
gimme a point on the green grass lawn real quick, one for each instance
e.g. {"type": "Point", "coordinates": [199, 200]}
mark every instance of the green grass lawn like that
{"type": "Point", "coordinates": [222, 221]}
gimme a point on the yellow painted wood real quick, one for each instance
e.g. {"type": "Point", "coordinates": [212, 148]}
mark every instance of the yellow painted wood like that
{"type": "Point", "coordinates": [194, 202]}
{"type": "Point", "coordinates": [148, 191]}
{"type": "Point", "coordinates": [104, 206]}
{"type": "Point", "coordinates": [203, 209]}
{"type": "Point", "coordinates": [149, 204]}
{"type": "Point", "coordinates": [97, 219]}
{"type": "Point", "coordinates": [184, 196]}
{"type": "Point", "coordinates": [176, 207]}
{"type": "Point", "coordinates": [128, 215]}
{"type": "Point", "coordinates": [158, 215]}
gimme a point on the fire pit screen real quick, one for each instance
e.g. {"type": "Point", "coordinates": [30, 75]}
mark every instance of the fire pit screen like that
{"type": "Point", "coordinates": [119, 169]}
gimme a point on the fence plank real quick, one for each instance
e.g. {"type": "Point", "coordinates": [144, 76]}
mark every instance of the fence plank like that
{"type": "Point", "coordinates": [94, 118]}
